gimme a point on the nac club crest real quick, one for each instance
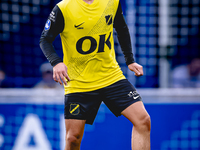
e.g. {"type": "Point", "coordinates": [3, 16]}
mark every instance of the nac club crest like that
{"type": "Point", "coordinates": [74, 109]}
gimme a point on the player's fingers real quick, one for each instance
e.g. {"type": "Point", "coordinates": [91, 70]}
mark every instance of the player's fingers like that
{"type": "Point", "coordinates": [137, 72]}
{"type": "Point", "coordinates": [140, 70]}
{"type": "Point", "coordinates": [58, 78]}
{"type": "Point", "coordinates": [136, 68]}
{"type": "Point", "coordinates": [54, 77]}
{"type": "Point", "coordinates": [63, 79]}
{"type": "Point", "coordinates": [66, 76]}
{"type": "Point", "coordinates": [138, 75]}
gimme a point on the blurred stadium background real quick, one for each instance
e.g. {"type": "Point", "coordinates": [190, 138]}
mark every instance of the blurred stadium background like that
{"type": "Point", "coordinates": [166, 41]}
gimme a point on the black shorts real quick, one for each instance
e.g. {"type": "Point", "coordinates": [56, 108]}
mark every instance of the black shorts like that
{"type": "Point", "coordinates": [85, 105]}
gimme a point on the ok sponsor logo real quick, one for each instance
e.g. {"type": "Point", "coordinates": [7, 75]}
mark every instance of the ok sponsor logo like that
{"type": "Point", "coordinates": [104, 40]}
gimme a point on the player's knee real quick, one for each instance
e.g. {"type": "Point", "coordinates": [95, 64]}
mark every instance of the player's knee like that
{"type": "Point", "coordinates": [144, 124]}
{"type": "Point", "coordinates": [147, 122]}
{"type": "Point", "coordinates": [73, 140]}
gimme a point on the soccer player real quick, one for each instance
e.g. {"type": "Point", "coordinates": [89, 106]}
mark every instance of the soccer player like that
{"type": "Point", "coordinates": [89, 69]}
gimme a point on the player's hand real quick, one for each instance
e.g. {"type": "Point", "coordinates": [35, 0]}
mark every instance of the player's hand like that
{"type": "Point", "coordinates": [138, 69]}
{"type": "Point", "coordinates": [60, 73]}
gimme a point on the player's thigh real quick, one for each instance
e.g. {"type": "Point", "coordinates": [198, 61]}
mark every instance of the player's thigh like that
{"type": "Point", "coordinates": [136, 113]}
{"type": "Point", "coordinates": [120, 96]}
{"type": "Point", "coordinates": [74, 127]}
{"type": "Point", "coordinates": [82, 106]}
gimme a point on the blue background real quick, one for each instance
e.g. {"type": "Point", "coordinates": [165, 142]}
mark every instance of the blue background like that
{"type": "Point", "coordinates": [109, 132]}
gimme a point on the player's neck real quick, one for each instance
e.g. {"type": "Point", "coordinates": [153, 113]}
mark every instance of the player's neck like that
{"type": "Point", "coordinates": [89, 1]}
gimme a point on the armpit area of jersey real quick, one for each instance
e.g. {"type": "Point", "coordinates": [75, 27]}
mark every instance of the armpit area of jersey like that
{"type": "Point", "coordinates": [123, 36]}
{"type": "Point", "coordinates": [53, 26]}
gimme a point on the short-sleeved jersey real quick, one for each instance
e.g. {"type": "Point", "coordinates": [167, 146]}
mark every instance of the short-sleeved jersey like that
{"type": "Point", "coordinates": [88, 45]}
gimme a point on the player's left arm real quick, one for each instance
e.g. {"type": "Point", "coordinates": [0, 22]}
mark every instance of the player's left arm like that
{"type": "Point", "coordinates": [125, 42]}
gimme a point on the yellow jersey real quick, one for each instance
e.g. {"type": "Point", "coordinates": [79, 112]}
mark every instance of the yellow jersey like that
{"type": "Point", "coordinates": [88, 45]}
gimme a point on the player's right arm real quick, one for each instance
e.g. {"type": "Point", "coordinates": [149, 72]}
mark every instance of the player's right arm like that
{"type": "Point", "coordinates": [53, 27]}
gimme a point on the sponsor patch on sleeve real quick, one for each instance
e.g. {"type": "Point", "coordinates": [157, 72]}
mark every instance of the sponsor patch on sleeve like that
{"type": "Point", "coordinates": [47, 25]}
